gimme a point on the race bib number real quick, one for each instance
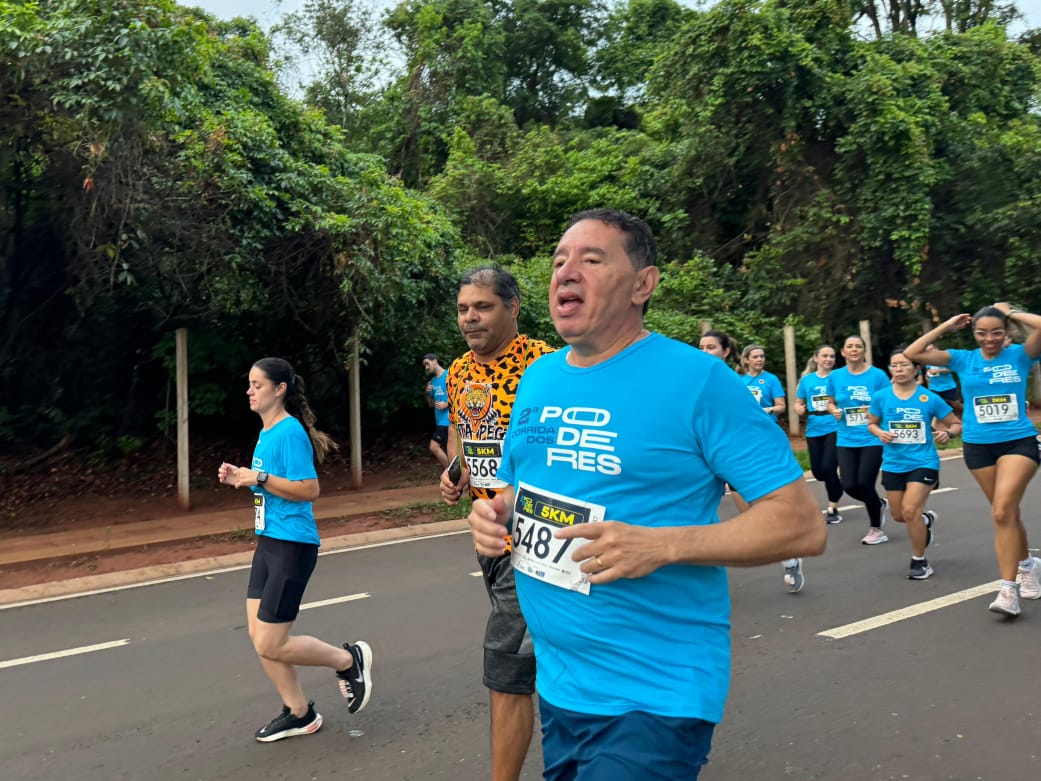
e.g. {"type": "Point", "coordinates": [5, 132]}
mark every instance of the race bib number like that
{"type": "Point", "coordinates": [819, 403]}
{"type": "Point", "coordinates": [996, 409]}
{"type": "Point", "coordinates": [258, 512]}
{"type": "Point", "coordinates": [483, 459]}
{"type": "Point", "coordinates": [756, 394]}
{"type": "Point", "coordinates": [536, 552]}
{"type": "Point", "coordinates": [856, 416]}
{"type": "Point", "coordinates": [908, 432]}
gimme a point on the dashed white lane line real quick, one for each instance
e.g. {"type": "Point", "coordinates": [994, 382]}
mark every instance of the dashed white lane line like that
{"type": "Point", "coordinates": [860, 506]}
{"type": "Point", "coordinates": [335, 601]}
{"type": "Point", "coordinates": [902, 614]}
{"type": "Point", "coordinates": [84, 649]}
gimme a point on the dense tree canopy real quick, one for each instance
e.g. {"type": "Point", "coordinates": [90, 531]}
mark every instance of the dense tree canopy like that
{"type": "Point", "coordinates": [811, 163]}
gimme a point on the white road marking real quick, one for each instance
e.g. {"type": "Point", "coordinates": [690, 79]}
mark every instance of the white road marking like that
{"type": "Point", "coordinates": [335, 601]}
{"type": "Point", "coordinates": [893, 616]}
{"type": "Point", "coordinates": [476, 574]}
{"type": "Point", "coordinates": [210, 573]}
{"type": "Point", "coordinates": [860, 506]}
{"type": "Point", "coordinates": [85, 649]}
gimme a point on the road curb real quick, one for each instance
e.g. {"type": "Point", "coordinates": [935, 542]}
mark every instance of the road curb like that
{"type": "Point", "coordinates": [15, 597]}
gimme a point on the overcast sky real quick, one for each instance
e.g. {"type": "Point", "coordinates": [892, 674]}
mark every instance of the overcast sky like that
{"type": "Point", "coordinates": [267, 12]}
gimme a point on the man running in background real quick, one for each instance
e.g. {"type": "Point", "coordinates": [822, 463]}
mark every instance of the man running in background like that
{"type": "Point", "coordinates": [481, 387]}
{"type": "Point", "coordinates": [437, 397]}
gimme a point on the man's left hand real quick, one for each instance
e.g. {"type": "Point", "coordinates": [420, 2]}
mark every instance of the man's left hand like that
{"type": "Point", "coordinates": [617, 550]}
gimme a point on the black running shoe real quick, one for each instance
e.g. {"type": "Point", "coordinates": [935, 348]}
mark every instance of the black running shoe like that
{"type": "Point", "coordinates": [286, 725]}
{"type": "Point", "coordinates": [356, 681]}
{"type": "Point", "coordinates": [920, 569]}
{"type": "Point", "coordinates": [832, 516]}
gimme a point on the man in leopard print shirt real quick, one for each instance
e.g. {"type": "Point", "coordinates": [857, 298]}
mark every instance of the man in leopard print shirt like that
{"type": "Point", "coordinates": [482, 385]}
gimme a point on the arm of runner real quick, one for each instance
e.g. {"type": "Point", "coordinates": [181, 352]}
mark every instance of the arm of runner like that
{"type": "Point", "coordinates": [783, 524]}
{"type": "Point", "coordinates": [294, 490]}
{"type": "Point", "coordinates": [874, 427]}
{"type": "Point", "coordinates": [451, 492]}
{"type": "Point", "coordinates": [834, 409]}
{"type": "Point", "coordinates": [780, 405]}
{"type": "Point", "coordinates": [947, 429]}
{"type": "Point", "coordinates": [1032, 344]}
{"type": "Point", "coordinates": [489, 520]}
{"type": "Point", "coordinates": [917, 352]}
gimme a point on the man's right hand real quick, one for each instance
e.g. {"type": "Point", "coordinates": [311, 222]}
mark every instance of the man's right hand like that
{"type": "Point", "coordinates": [450, 491]}
{"type": "Point", "coordinates": [488, 520]}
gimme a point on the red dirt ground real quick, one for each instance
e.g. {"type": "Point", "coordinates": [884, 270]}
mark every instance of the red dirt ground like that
{"type": "Point", "coordinates": [63, 493]}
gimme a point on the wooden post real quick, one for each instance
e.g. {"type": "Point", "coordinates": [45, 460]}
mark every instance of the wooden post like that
{"type": "Point", "coordinates": [792, 372]}
{"type": "Point", "coordinates": [865, 334]}
{"type": "Point", "coordinates": [355, 414]}
{"type": "Point", "coordinates": [706, 326]}
{"type": "Point", "coordinates": [1035, 385]}
{"type": "Point", "coordinates": [184, 499]}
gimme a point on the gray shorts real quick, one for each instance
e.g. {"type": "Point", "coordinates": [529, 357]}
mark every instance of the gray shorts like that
{"type": "Point", "coordinates": [509, 657]}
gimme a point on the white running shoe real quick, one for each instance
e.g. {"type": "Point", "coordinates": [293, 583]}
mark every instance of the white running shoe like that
{"type": "Point", "coordinates": [874, 537]}
{"type": "Point", "coordinates": [1029, 586]}
{"type": "Point", "coordinates": [1007, 601]}
{"type": "Point", "coordinates": [930, 517]}
{"type": "Point", "coordinates": [793, 577]}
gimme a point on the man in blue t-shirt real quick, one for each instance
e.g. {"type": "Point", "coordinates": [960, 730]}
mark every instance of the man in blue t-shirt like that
{"type": "Point", "coordinates": [615, 458]}
{"type": "Point", "coordinates": [437, 397]}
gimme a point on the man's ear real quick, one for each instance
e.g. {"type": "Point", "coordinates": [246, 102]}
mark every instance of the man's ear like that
{"type": "Point", "coordinates": [647, 280]}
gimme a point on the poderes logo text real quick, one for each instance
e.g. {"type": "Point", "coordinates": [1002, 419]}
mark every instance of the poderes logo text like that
{"type": "Point", "coordinates": [582, 441]}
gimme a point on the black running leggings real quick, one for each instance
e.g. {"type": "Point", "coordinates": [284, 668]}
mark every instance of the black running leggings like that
{"type": "Point", "coordinates": [858, 468]}
{"type": "Point", "coordinates": [824, 464]}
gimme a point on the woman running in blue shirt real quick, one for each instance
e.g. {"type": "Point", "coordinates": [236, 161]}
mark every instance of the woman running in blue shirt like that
{"type": "Point", "coordinates": [724, 347]}
{"type": "Point", "coordinates": [284, 482]}
{"type": "Point", "coordinates": [765, 387]}
{"type": "Point", "coordinates": [811, 400]}
{"type": "Point", "coordinates": [902, 417]}
{"type": "Point", "coordinates": [859, 451]}
{"type": "Point", "coordinates": [1000, 442]}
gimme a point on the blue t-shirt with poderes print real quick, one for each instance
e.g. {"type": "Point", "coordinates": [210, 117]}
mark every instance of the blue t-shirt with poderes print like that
{"type": "Point", "coordinates": [995, 394]}
{"type": "Point", "coordinates": [647, 437]}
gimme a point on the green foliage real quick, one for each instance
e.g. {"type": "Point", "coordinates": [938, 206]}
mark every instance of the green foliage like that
{"type": "Point", "coordinates": [156, 176]}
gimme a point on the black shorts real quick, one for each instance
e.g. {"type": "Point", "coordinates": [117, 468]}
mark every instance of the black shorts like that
{"type": "Point", "coordinates": [983, 456]}
{"type": "Point", "coordinates": [279, 576]}
{"type": "Point", "coordinates": [897, 481]}
{"type": "Point", "coordinates": [509, 656]}
{"type": "Point", "coordinates": [440, 436]}
{"type": "Point", "coordinates": [949, 395]}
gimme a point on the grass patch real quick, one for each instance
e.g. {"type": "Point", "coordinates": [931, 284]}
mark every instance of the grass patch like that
{"type": "Point", "coordinates": [803, 457]}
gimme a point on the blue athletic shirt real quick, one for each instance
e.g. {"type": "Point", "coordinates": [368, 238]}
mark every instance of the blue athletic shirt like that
{"type": "Point", "coordinates": [764, 388]}
{"type": "Point", "coordinates": [852, 394]}
{"type": "Point", "coordinates": [813, 390]}
{"type": "Point", "coordinates": [650, 434]}
{"type": "Point", "coordinates": [987, 386]}
{"type": "Point", "coordinates": [944, 381]}
{"type": "Point", "coordinates": [911, 420]}
{"type": "Point", "coordinates": [439, 388]}
{"type": "Point", "coordinates": [285, 450]}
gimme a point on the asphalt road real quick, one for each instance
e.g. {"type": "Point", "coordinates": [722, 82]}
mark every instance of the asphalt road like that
{"type": "Point", "coordinates": [949, 693]}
